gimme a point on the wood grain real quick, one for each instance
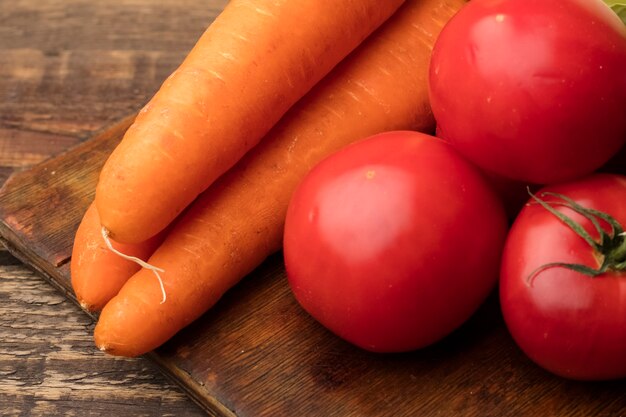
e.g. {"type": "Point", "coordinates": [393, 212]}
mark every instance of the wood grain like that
{"type": "Point", "coordinates": [73, 66]}
{"type": "Point", "coordinates": [19, 149]}
{"type": "Point", "coordinates": [49, 366]}
{"type": "Point", "coordinates": [69, 68]}
{"type": "Point", "coordinates": [63, 188]}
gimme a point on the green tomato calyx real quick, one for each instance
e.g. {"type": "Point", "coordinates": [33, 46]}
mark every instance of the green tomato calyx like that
{"type": "Point", "coordinates": [609, 246]}
{"type": "Point", "coordinates": [619, 7]}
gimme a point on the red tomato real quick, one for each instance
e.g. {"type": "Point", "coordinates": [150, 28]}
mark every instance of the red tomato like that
{"type": "Point", "coordinates": [569, 323]}
{"type": "Point", "coordinates": [512, 193]}
{"type": "Point", "coordinates": [393, 242]}
{"type": "Point", "coordinates": [533, 90]}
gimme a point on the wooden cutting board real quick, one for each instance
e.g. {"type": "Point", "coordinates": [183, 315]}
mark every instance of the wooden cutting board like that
{"type": "Point", "coordinates": [258, 354]}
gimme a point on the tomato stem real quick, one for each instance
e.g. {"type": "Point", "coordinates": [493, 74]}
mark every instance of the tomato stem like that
{"type": "Point", "coordinates": [620, 251]}
{"type": "Point", "coordinates": [611, 246]}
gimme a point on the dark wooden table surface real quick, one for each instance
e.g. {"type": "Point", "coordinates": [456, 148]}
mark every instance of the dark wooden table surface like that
{"type": "Point", "coordinates": [69, 68]}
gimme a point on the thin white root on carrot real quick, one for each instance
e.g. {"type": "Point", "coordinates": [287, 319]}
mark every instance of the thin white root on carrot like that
{"type": "Point", "coordinates": [143, 264]}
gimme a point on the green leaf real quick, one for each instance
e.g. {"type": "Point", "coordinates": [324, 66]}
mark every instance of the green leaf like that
{"type": "Point", "coordinates": [619, 7]}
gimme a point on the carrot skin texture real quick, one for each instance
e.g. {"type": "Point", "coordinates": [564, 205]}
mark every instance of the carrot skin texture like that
{"type": "Point", "coordinates": [97, 274]}
{"type": "Point", "coordinates": [238, 222]}
{"type": "Point", "coordinates": [249, 67]}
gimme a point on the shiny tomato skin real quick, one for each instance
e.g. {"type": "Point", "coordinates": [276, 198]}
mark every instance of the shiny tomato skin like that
{"type": "Point", "coordinates": [568, 323]}
{"type": "Point", "coordinates": [533, 90]}
{"type": "Point", "coordinates": [393, 242]}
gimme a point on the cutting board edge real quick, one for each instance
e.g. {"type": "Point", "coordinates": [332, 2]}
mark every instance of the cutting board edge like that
{"type": "Point", "coordinates": [182, 379]}
{"type": "Point", "coordinates": [14, 243]}
{"type": "Point", "coordinates": [190, 387]}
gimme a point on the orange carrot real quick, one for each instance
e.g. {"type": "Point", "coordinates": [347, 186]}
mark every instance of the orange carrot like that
{"type": "Point", "coordinates": [238, 222]}
{"type": "Point", "coordinates": [97, 273]}
{"type": "Point", "coordinates": [253, 63]}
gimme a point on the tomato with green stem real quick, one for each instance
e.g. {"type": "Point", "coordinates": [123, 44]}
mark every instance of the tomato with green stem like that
{"type": "Point", "coordinates": [563, 278]}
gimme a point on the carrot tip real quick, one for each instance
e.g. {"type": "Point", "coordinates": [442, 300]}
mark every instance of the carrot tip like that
{"type": "Point", "coordinates": [84, 305]}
